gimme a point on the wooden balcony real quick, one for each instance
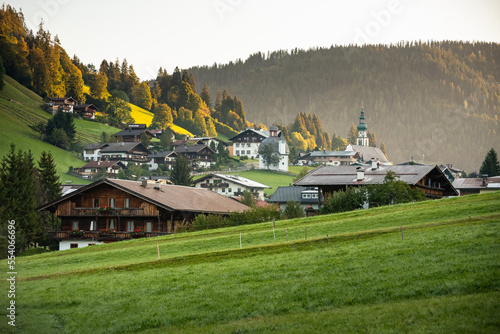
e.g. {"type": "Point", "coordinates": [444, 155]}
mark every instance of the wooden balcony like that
{"type": "Point", "coordinates": [115, 212]}
{"type": "Point", "coordinates": [95, 235]}
{"type": "Point", "coordinates": [215, 185]}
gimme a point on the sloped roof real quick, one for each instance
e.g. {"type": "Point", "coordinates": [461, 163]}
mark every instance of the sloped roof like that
{"type": "Point", "coordinates": [132, 132]}
{"type": "Point", "coordinates": [236, 179]}
{"type": "Point", "coordinates": [367, 152]}
{"type": "Point", "coordinates": [123, 147]}
{"type": "Point", "coordinates": [161, 154]}
{"type": "Point", "coordinates": [83, 106]}
{"type": "Point", "coordinates": [347, 176]}
{"type": "Point", "coordinates": [169, 197]}
{"type": "Point", "coordinates": [101, 164]}
{"type": "Point", "coordinates": [291, 193]}
{"type": "Point", "coordinates": [262, 133]}
{"type": "Point", "coordinates": [94, 146]}
{"type": "Point", "coordinates": [333, 153]}
{"type": "Point", "coordinates": [275, 141]}
{"type": "Point", "coordinates": [477, 183]}
{"type": "Point", "coordinates": [191, 148]}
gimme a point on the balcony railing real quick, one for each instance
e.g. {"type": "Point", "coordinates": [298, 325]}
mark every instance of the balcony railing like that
{"type": "Point", "coordinates": [95, 235]}
{"type": "Point", "coordinates": [108, 212]}
{"type": "Point", "coordinates": [215, 185]}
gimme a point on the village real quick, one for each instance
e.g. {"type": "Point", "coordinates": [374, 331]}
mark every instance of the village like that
{"type": "Point", "coordinates": [111, 209]}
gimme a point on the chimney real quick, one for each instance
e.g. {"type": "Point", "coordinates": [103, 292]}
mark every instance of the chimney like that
{"type": "Point", "coordinates": [374, 163]}
{"type": "Point", "coordinates": [485, 178]}
{"type": "Point", "coordinates": [157, 185]}
{"type": "Point", "coordinates": [361, 174]}
{"type": "Point", "coordinates": [144, 183]}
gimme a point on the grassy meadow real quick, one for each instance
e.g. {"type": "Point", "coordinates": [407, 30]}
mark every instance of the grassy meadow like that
{"type": "Point", "coordinates": [442, 276]}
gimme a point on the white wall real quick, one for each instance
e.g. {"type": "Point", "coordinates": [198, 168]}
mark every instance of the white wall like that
{"type": "Point", "coordinates": [66, 244]}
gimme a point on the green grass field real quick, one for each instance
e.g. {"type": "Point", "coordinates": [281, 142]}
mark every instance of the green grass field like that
{"type": "Point", "coordinates": [442, 277]}
{"type": "Point", "coordinates": [269, 178]}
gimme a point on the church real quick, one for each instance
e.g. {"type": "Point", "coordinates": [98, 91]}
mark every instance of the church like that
{"type": "Point", "coordinates": [366, 153]}
{"type": "Point", "coordinates": [278, 142]}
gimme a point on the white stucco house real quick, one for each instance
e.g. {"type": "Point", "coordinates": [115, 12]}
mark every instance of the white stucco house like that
{"type": "Point", "coordinates": [278, 142]}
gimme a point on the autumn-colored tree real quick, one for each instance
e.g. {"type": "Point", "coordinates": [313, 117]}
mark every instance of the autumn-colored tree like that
{"type": "Point", "coordinates": [141, 95]}
{"type": "Point", "coordinates": [98, 88]}
{"type": "Point", "coordinates": [353, 135]}
{"type": "Point", "coordinates": [162, 117]}
{"type": "Point", "coordinates": [382, 148]}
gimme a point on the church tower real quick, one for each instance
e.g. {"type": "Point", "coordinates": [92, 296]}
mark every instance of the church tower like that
{"type": "Point", "coordinates": [362, 139]}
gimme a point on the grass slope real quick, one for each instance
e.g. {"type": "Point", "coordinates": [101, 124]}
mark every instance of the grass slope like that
{"type": "Point", "coordinates": [442, 277]}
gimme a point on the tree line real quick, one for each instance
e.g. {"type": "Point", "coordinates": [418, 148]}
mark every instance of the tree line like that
{"type": "Point", "coordinates": [25, 186]}
{"type": "Point", "coordinates": [433, 100]}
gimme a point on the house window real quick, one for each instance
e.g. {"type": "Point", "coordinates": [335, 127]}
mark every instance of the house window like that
{"type": "Point", "coordinates": [92, 226]}
{"type": "Point", "coordinates": [237, 152]}
{"type": "Point", "coordinates": [111, 224]}
{"type": "Point", "coordinates": [248, 151]}
{"type": "Point", "coordinates": [73, 245]}
{"type": "Point", "coordinates": [96, 202]}
{"type": "Point", "coordinates": [248, 144]}
{"type": "Point", "coordinates": [237, 145]}
{"type": "Point", "coordinates": [75, 226]}
{"type": "Point", "coordinates": [111, 202]}
{"type": "Point", "coordinates": [90, 245]}
{"type": "Point", "coordinates": [229, 190]}
{"type": "Point", "coordinates": [130, 226]}
{"type": "Point", "coordinates": [223, 190]}
{"type": "Point", "coordinates": [239, 190]}
{"type": "Point", "coordinates": [127, 202]}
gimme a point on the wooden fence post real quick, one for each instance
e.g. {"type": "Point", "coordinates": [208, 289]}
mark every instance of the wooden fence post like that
{"type": "Point", "coordinates": [158, 248]}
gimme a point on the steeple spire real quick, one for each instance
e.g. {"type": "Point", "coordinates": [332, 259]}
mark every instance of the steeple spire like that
{"type": "Point", "coordinates": [362, 139]}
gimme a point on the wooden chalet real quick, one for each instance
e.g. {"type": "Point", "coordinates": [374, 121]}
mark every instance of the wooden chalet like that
{"type": "Point", "coordinates": [93, 168]}
{"type": "Point", "coordinates": [86, 110]}
{"type": "Point", "coordinates": [110, 210]}
{"type": "Point", "coordinates": [133, 133]}
{"type": "Point", "coordinates": [166, 158]}
{"type": "Point", "coordinates": [428, 178]}
{"type": "Point", "coordinates": [246, 143]}
{"type": "Point", "coordinates": [55, 104]}
{"type": "Point", "coordinates": [125, 152]}
{"type": "Point", "coordinates": [197, 155]}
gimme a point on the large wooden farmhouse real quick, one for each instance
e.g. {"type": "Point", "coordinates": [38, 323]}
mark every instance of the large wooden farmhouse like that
{"type": "Point", "coordinates": [428, 178]}
{"type": "Point", "coordinates": [110, 210]}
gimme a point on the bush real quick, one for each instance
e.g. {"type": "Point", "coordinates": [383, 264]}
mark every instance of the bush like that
{"type": "Point", "coordinates": [255, 215]}
{"type": "Point", "coordinates": [206, 222]}
{"type": "Point", "coordinates": [340, 201]}
{"type": "Point", "coordinates": [293, 210]}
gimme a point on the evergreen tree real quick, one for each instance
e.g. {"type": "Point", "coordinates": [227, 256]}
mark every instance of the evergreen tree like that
{"type": "Point", "coordinates": [382, 148]}
{"type": "Point", "coordinates": [200, 126]}
{"type": "Point", "coordinates": [2, 73]}
{"type": "Point", "coordinates": [353, 135]}
{"type": "Point", "coordinates": [490, 165]}
{"type": "Point", "coordinates": [166, 139]}
{"type": "Point", "coordinates": [18, 196]}
{"type": "Point", "coordinates": [105, 137]}
{"type": "Point", "coordinates": [49, 180]}
{"type": "Point", "coordinates": [248, 199]}
{"type": "Point", "coordinates": [205, 96]}
{"type": "Point", "coordinates": [180, 173]}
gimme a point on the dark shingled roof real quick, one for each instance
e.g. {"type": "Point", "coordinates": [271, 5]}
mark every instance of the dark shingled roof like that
{"type": "Point", "coordinates": [94, 146]}
{"type": "Point", "coordinates": [292, 193]}
{"type": "Point", "coordinates": [191, 148]}
{"type": "Point", "coordinates": [123, 147]}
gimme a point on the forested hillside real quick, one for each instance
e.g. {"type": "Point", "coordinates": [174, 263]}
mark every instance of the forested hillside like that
{"type": "Point", "coordinates": [437, 101]}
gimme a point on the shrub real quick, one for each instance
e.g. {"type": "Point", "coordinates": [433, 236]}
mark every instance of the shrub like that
{"type": "Point", "coordinates": [340, 201]}
{"type": "Point", "coordinates": [205, 222]}
{"type": "Point", "coordinates": [293, 210]}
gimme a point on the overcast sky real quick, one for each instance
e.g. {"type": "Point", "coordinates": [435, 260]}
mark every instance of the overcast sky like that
{"type": "Point", "coordinates": [154, 33]}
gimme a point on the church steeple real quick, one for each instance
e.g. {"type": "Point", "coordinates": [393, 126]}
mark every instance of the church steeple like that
{"type": "Point", "coordinates": [362, 139]}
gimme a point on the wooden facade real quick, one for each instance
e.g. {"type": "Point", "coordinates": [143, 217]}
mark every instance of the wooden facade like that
{"type": "Point", "coordinates": [112, 210]}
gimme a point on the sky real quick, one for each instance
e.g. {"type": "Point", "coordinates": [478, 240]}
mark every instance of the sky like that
{"type": "Point", "coordinates": [162, 33]}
